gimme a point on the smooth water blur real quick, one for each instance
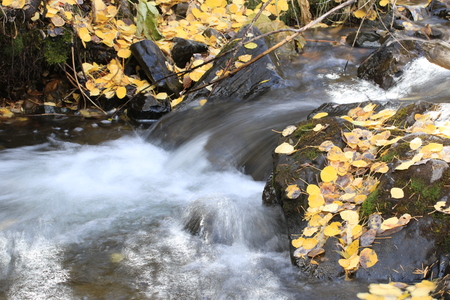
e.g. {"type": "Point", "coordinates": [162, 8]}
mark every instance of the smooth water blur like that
{"type": "Point", "coordinates": [125, 219]}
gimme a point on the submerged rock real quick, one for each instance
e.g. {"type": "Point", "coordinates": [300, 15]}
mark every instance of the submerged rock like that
{"type": "Point", "coordinates": [417, 248]}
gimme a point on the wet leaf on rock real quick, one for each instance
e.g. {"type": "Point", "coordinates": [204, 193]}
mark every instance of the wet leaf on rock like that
{"type": "Point", "coordinates": [285, 148]}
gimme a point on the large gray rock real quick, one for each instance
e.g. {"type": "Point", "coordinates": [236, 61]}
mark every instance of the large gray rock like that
{"type": "Point", "coordinates": [412, 252]}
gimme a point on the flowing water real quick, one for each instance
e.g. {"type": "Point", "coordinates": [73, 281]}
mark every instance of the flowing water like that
{"type": "Point", "coordinates": [81, 220]}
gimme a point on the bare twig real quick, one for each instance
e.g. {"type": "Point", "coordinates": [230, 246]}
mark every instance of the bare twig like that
{"type": "Point", "coordinates": [297, 32]}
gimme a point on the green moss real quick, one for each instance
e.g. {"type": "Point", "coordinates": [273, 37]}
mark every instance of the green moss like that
{"type": "Point", "coordinates": [369, 206]}
{"type": "Point", "coordinates": [394, 152]}
{"type": "Point", "coordinates": [311, 153]}
{"type": "Point", "coordinates": [429, 192]}
{"type": "Point", "coordinates": [56, 50]}
{"type": "Point", "coordinates": [304, 129]}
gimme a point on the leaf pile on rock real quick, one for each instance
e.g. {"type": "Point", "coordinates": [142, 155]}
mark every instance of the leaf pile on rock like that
{"type": "Point", "coordinates": [351, 174]}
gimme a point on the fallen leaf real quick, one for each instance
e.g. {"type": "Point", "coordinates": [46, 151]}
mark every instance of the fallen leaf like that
{"type": "Point", "coordinates": [320, 115]}
{"type": "Point", "coordinates": [328, 174]}
{"type": "Point", "coordinates": [285, 148]}
{"type": "Point", "coordinates": [288, 130]}
{"type": "Point", "coordinates": [367, 258]}
{"type": "Point", "coordinates": [415, 143]}
{"type": "Point", "coordinates": [397, 193]}
{"type": "Point", "coordinates": [293, 191]}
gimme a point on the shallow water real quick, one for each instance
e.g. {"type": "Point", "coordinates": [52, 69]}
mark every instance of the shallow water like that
{"type": "Point", "coordinates": [80, 220]}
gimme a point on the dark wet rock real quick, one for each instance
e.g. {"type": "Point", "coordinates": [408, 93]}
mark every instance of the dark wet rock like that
{"type": "Point", "coordinates": [50, 109]}
{"type": "Point", "coordinates": [422, 245]}
{"type": "Point", "coordinates": [247, 84]}
{"type": "Point", "coordinates": [145, 108]}
{"type": "Point", "coordinates": [153, 62]}
{"type": "Point", "coordinates": [183, 50]}
{"type": "Point", "coordinates": [387, 63]}
{"type": "Point", "coordinates": [180, 9]}
{"type": "Point", "coordinates": [364, 39]}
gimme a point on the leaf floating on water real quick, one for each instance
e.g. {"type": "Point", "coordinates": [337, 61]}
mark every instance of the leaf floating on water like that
{"type": "Point", "coordinates": [293, 191]}
{"type": "Point", "coordinates": [397, 193]}
{"type": "Point", "coordinates": [285, 148]}
{"type": "Point", "coordinates": [328, 174]}
{"type": "Point", "coordinates": [320, 115]}
{"type": "Point", "coordinates": [288, 130]}
{"type": "Point", "coordinates": [368, 258]}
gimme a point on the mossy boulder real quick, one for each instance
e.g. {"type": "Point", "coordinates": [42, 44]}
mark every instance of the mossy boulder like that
{"type": "Point", "coordinates": [412, 252]}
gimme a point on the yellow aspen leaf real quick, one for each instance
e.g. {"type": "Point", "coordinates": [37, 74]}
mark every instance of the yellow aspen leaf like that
{"type": "Point", "coordinates": [383, 2]}
{"type": "Point", "coordinates": [309, 243]}
{"type": "Point", "coordinates": [315, 220]}
{"type": "Point", "coordinates": [318, 127]}
{"type": "Point", "coordinates": [250, 45]}
{"type": "Point", "coordinates": [309, 231]}
{"type": "Point", "coordinates": [368, 258]}
{"type": "Point", "coordinates": [328, 174]}
{"type": "Point", "coordinates": [297, 243]}
{"type": "Point", "coordinates": [405, 165]}
{"type": "Point", "coordinates": [353, 248]}
{"type": "Point", "coordinates": [293, 191]}
{"type": "Point", "coordinates": [282, 5]}
{"type": "Point", "coordinates": [359, 163]}
{"type": "Point", "coordinates": [415, 143]}
{"type": "Point", "coordinates": [233, 8]}
{"type": "Point", "coordinates": [379, 167]}
{"type": "Point", "coordinates": [351, 216]}
{"type": "Point", "coordinates": [313, 189]}
{"type": "Point", "coordinates": [315, 201]}
{"type": "Point", "coordinates": [440, 206]}
{"type": "Point", "coordinates": [245, 57]}
{"type": "Point", "coordinates": [285, 148]}
{"type": "Point", "coordinates": [385, 290]}
{"type": "Point", "coordinates": [359, 13]}
{"type": "Point", "coordinates": [369, 107]}
{"type": "Point", "coordinates": [332, 208]}
{"type": "Point", "coordinates": [320, 115]}
{"type": "Point", "coordinates": [349, 264]}
{"type": "Point", "coordinates": [203, 102]}
{"type": "Point", "coordinates": [7, 2]}
{"type": "Point", "coordinates": [357, 231]}
{"type": "Point", "coordinates": [326, 146]}
{"type": "Point", "coordinates": [288, 130]}
{"type": "Point", "coordinates": [161, 96]}
{"type": "Point", "coordinates": [124, 53]}
{"type": "Point", "coordinates": [17, 4]}
{"type": "Point", "coordinates": [389, 223]}
{"type": "Point", "coordinates": [397, 193]}
{"type": "Point", "coordinates": [197, 74]}
{"type": "Point", "coordinates": [432, 147]}
{"type": "Point", "coordinates": [332, 229]}
{"type": "Point", "coordinates": [84, 34]}
{"type": "Point", "coordinates": [35, 17]}
{"type": "Point", "coordinates": [175, 102]}
{"type": "Point", "coordinates": [121, 92]}
{"type": "Point", "coordinates": [359, 199]}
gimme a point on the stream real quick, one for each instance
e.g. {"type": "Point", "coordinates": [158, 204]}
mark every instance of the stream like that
{"type": "Point", "coordinates": [105, 217]}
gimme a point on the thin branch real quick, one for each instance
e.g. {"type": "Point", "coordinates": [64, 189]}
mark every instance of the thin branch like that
{"type": "Point", "coordinates": [297, 32]}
